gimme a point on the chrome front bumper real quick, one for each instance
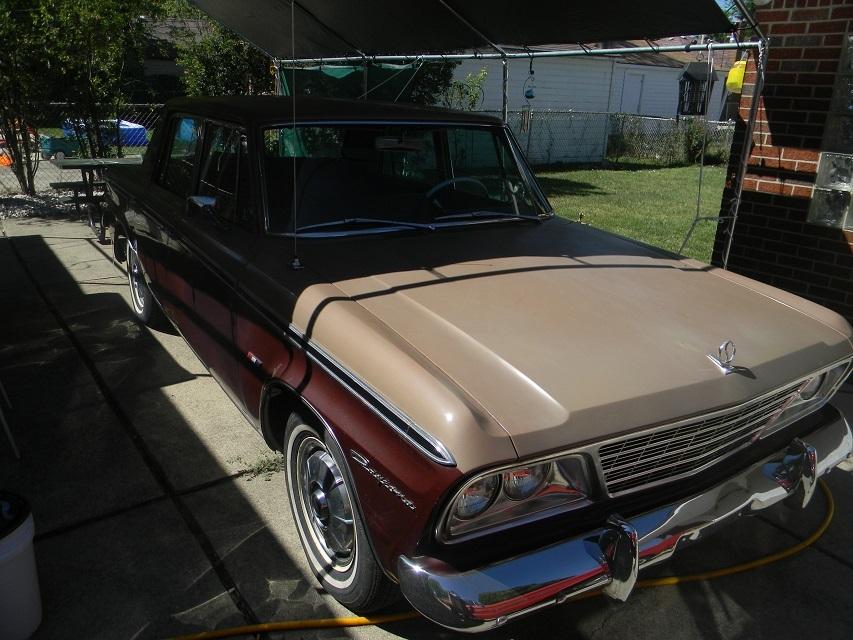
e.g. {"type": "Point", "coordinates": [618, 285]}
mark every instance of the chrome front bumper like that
{"type": "Point", "coordinates": [610, 557]}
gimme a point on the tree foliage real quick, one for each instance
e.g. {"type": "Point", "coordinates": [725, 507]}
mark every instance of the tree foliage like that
{"type": "Point", "coordinates": [467, 94]}
{"type": "Point", "coordinates": [23, 90]}
{"type": "Point", "coordinates": [214, 60]}
{"type": "Point", "coordinates": [96, 49]}
{"type": "Point", "coordinates": [736, 17]}
{"type": "Point", "coordinates": [432, 82]}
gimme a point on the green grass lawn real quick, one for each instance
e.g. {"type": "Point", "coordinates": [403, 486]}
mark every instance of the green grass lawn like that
{"type": "Point", "coordinates": [652, 205]}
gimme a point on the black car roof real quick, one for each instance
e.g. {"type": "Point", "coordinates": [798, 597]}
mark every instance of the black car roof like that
{"type": "Point", "coordinates": [259, 110]}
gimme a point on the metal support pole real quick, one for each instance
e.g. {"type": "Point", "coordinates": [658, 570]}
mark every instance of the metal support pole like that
{"type": "Point", "coordinates": [752, 23]}
{"type": "Point", "coordinates": [276, 63]}
{"type": "Point", "coordinates": [511, 55]}
{"type": "Point", "coordinates": [364, 80]}
{"type": "Point", "coordinates": [761, 67]}
{"type": "Point", "coordinates": [6, 428]}
{"type": "Point", "coordinates": [607, 115]}
{"type": "Point", "coordinates": [709, 87]}
{"type": "Point", "coordinates": [505, 82]}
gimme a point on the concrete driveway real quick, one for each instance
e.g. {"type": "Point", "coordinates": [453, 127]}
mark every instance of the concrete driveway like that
{"type": "Point", "coordinates": [160, 511]}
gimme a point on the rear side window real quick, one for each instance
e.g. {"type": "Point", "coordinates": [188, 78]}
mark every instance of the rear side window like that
{"type": "Point", "coordinates": [177, 172]}
{"type": "Point", "coordinates": [224, 173]}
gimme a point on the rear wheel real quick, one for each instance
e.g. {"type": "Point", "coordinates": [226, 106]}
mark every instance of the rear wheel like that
{"type": "Point", "coordinates": [144, 306]}
{"type": "Point", "coordinates": [330, 529]}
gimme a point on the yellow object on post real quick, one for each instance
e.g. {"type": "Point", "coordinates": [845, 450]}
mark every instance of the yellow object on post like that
{"type": "Point", "coordinates": [734, 81]}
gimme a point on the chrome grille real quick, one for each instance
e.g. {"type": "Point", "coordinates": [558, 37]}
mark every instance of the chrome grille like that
{"type": "Point", "coordinates": [671, 452]}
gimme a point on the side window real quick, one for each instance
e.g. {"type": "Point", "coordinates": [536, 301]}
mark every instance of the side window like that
{"type": "Point", "coordinates": [176, 174]}
{"type": "Point", "coordinates": [225, 174]}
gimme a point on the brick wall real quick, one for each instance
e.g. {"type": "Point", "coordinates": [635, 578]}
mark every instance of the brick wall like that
{"type": "Point", "coordinates": [772, 241]}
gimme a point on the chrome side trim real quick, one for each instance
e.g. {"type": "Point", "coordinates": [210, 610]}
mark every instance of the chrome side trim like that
{"type": "Point", "coordinates": [405, 426]}
{"type": "Point", "coordinates": [489, 596]}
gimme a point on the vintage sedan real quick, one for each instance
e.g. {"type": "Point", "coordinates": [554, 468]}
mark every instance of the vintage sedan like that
{"type": "Point", "coordinates": [482, 405]}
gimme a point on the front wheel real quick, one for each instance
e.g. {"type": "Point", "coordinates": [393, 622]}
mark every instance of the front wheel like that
{"type": "Point", "coordinates": [330, 529]}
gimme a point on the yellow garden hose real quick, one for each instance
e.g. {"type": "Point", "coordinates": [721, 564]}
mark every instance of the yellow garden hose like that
{"type": "Point", "coordinates": [358, 621]}
{"type": "Point", "coordinates": [758, 562]}
{"type": "Point", "coordinates": [298, 625]}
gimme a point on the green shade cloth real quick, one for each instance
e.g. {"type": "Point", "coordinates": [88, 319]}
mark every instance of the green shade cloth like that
{"type": "Point", "coordinates": [384, 81]}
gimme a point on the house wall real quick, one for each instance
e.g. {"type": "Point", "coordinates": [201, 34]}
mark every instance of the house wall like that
{"type": "Point", "coordinates": [567, 83]}
{"type": "Point", "coordinates": [584, 84]}
{"type": "Point", "coordinates": [772, 240]}
{"type": "Point", "coordinates": [660, 91]}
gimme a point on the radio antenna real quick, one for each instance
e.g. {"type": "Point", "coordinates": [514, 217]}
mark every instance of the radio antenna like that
{"type": "Point", "coordinates": [295, 263]}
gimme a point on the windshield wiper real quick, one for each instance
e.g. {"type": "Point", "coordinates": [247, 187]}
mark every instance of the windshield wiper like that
{"type": "Point", "coordinates": [485, 214]}
{"type": "Point", "coordinates": [377, 221]}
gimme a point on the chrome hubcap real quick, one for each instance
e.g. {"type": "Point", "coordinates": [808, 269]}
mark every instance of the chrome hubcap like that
{"type": "Point", "coordinates": [326, 503]}
{"type": "Point", "coordinates": [134, 274]}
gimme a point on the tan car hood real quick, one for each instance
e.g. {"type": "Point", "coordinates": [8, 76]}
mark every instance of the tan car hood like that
{"type": "Point", "coordinates": [563, 350]}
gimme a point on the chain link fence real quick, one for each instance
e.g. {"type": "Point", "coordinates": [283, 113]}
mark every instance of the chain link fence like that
{"type": "Point", "coordinates": [583, 137]}
{"type": "Point", "coordinates": [61, 134]}
{"type": "Point", "coordinates": [547, 138]}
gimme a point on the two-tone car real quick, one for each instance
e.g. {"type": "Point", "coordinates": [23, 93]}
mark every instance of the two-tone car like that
{"type": "Point", "coordinates": [482, 405]}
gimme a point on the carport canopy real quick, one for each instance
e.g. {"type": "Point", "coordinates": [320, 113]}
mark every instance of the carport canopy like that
{"type": "Point", "coordinates": [329, 28]}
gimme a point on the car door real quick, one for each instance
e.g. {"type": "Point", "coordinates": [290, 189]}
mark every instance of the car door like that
{"type": "Point", "coordinates": [219, 231]}
{"type": "Point", "coordinates": [155, 222]}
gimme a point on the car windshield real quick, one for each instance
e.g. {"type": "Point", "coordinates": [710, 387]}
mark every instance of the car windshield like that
{"type": "Point", "coordinates": [352, 178]}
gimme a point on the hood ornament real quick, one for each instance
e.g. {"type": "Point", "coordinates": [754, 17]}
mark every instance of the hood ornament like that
{"type": "Point", "coordinates": [725, 360]}
{"type": "Point", "coordinates": [725, 357]}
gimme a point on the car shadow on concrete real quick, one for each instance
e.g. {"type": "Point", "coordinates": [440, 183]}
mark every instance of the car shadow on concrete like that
{"type": "Point", "coordinates": [141, 530]}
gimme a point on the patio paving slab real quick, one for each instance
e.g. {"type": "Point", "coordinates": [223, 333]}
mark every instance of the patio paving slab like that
{"type": "Point", "coordinates": [138, 575]}
{"type": "Point", "coordinates": [195, 431]}
{"type": "Point", "coordinates": [75, 465]}
{"type": "Point", "coordinates": [251, 527]}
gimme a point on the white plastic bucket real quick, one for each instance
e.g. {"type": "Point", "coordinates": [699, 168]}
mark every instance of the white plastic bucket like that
{"type": "Point", "coordinates": [20, 599]}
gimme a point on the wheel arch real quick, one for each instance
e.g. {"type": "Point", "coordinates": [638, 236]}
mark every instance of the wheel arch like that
{"type": "Point", "coordinates": [120, 236]}
{"type": "Point", "coordinates": [278, 401]}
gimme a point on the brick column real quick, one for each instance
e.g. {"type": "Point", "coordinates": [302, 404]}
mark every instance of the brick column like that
{"type": "Point", "coordinates": [772, 240]}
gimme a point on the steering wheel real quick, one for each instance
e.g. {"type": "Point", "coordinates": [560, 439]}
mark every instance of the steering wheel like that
{"type": "Point", "coordinates": [451, 181]}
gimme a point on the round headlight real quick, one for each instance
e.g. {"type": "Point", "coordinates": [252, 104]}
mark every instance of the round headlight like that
{"type": "Point", "coordinates": [476, 498]}
{"type": "Point", "coordinates": [523, 482]}
{"type": "Point", "coordinates": [809, 389]}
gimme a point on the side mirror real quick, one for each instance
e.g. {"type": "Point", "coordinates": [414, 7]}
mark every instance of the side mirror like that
{"type": "Point", "coordinates": [203, 204]}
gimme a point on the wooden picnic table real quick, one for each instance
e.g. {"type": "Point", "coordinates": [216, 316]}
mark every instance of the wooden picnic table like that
{"type": "Point", "coordinates": [89, 168]}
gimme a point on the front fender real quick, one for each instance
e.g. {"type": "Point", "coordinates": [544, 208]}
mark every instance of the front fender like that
{"type": "Point", "coordinates": [396, 487]}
